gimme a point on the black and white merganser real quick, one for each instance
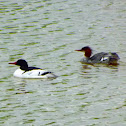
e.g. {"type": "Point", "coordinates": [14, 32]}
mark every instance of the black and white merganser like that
{"type": "Point", "coordinates": [31, 72]}
{"type": "Point", "coordinates": [110, 58]}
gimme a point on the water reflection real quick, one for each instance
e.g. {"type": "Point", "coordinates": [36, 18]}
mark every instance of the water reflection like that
{"type": "Point", "coordinates": [98, 71]}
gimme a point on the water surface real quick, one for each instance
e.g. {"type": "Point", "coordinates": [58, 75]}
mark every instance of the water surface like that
{"type": "Point", "coordinates": [46, 33]}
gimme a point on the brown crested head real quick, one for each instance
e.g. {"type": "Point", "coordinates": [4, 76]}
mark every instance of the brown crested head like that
{"type": "Point", "coordinates": [87, 50]}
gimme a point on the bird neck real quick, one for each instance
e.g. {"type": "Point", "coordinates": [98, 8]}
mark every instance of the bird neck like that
{"type": "Point", "coordinates": [88, 53]}
{"type": "Point", "coordinates": [24, 68]}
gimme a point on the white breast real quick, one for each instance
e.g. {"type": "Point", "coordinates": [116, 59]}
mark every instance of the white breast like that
{"type": "Point", "coordinates": [33, 74]}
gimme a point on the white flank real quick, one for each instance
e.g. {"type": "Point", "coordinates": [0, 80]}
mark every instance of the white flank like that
{"type": "Point", "coordinates": [33, 74]}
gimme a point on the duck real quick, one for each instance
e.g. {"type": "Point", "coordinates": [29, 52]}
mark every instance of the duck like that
{"type": "Point", "coordinates": [110, 58]}
{"type": "Point", "coordinates": [31, 72]}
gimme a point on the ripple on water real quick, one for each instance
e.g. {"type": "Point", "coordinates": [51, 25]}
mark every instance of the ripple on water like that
{"type": "Point", "coordinates": [46, 33]}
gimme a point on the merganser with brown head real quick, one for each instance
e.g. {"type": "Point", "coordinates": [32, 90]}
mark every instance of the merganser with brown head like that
{"type": "Point", "coordinates": [110, 58]}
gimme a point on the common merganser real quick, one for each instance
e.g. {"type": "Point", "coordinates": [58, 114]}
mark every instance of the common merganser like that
{"type": "Point", "coordinates": [110, 58]}
{"type": "Point", "coordinates": [30, 72]}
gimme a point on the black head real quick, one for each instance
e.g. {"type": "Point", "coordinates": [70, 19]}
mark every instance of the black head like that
{"type": "Point", "coordinates": [22, 63]}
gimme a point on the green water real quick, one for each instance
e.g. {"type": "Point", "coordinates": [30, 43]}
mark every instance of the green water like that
{"type": "Point", "coordinates": [46, 33]}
